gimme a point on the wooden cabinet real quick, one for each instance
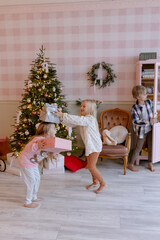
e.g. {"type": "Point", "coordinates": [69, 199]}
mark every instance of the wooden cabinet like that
{"type": "Point", "coordinates": [148, 74]}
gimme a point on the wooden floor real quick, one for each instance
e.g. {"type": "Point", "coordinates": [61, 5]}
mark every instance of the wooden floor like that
{"type": "Point", "coordinates": [129, 209]}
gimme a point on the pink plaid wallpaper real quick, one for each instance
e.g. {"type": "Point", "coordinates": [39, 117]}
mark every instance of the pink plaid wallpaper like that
{"type": "Point", "coordinates": [75, 37]}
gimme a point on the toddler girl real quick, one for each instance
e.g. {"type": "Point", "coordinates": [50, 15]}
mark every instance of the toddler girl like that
{"type": "Point", "coordinates": [30, 171]}
{"type": "Point", "coordinates": [91, 137]}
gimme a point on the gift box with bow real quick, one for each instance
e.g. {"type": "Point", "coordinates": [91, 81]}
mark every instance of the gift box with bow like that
{"type": "Point", "coordinates": [47, 113]}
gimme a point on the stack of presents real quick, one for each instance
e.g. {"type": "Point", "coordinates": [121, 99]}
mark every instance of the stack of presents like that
{"type": "Point", "coordinates": [54, 162]}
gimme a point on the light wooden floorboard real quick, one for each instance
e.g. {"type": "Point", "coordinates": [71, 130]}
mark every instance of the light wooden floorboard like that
{"type": "Point", "coordinates": [129, 209]}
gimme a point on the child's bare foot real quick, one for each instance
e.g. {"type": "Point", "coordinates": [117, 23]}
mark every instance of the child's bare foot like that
{"type": "Point", "coordinates": [130, 167]}
{"type": "Point", "coordinates": [32, 205]}
{"type": "Point", "coordinates": [101, 188]}
{"type": "Point", "coordinates": [38, 199]}
{"type": "Point", "coordinates": [150, 167]}
{"type": "Point", "coordinates": [91, 186]}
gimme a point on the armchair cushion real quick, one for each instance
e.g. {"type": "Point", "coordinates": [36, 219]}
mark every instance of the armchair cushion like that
{"type": "Point", "coordinates": [119, 133]}
{"type": "Point", "coordinates": [114, 151]}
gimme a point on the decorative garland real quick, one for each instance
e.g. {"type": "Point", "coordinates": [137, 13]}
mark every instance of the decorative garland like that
{"type": "Point", "coordinates": [95, 78]}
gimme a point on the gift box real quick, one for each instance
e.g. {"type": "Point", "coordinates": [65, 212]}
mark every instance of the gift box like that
{"type": "Point", "coordinates": [13, 165]}
{"type": "Point", "coordinates": [12, 161]}
{"type": "Point", "coordinates": [13, 170]}
{"type": "Point", "coordinates": [56, 164]}
{"type": "Point", "coordinates": [47, 113]}
{"type": "Point", "coordinates": [56, 145]}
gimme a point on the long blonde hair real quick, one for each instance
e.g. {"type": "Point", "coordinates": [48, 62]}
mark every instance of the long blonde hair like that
{"type": "Point", "coordinates": [43, 128]}
{"type": "Point", "coordinates": [91, 107]}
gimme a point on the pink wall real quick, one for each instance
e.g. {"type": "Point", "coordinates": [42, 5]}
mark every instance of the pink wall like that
{"type": "Point", "coordinates": [76, 36]}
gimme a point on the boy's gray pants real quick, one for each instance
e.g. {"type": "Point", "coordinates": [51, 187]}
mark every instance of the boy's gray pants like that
{"type": "Point", "coordinates": [138, 147]}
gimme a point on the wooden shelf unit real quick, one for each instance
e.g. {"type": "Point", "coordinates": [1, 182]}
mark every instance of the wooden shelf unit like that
{"type": "Point", "coordinates": [144, 67]}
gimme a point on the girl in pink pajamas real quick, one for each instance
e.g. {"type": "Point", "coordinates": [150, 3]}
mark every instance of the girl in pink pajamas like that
{"type": "Point", "coordinates": [30, 171]}
{"type": "Point", "coordinates": [91, 137]}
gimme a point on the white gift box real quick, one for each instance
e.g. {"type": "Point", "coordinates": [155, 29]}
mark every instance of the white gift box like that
{"type": "Point", "coordinates": [55, 164]}
{"type": "Point", "coordinates": [13, 170]}
{"type": "Point", "coordinates": [12, 160]}
{"type": "Point", "coordinates": [47, 113]}
{"type": "Point", "coordinates": [13, 165]}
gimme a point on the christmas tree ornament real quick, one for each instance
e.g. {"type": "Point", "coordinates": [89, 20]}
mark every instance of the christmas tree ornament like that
{"type": "Point", "coordinates": [28, 100]}
{"type": "Point", "coordinates": [59, 109]}
{"type": "Point", "coordinates": [27, 132]}
{"type": "Point", "coordinates": [45, 67]}
{"type": "Point", "coordinates": [18, 116]}
{"type": "Point", "coordinates": [54, 89]}
{"type": "Point", "coordinates": [44, 76]}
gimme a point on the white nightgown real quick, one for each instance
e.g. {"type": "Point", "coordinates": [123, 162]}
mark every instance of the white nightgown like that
{"type": "Point", "coordinates": [88, 130]}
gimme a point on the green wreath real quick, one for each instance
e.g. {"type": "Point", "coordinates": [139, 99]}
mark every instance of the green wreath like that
{"type": "Point", "coordinates": [107, 80]}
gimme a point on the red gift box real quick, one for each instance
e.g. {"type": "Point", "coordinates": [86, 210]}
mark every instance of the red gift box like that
{"type": "Point", "coordinates": [56, 145]}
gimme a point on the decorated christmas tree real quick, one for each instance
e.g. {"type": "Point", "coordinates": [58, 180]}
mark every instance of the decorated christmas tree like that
{"type": "Point", "coordinates": [41, 87]}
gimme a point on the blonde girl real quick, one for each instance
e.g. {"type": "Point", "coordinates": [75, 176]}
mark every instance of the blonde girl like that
{"type": "Point", "coordinates": [91, 137]}
{"type": "Point", "coordinates": [29, 169]}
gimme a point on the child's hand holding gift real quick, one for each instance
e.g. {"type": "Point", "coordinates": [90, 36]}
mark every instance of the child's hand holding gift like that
{"type": "Point", "coordinates": [58, 114]}
{"type": "Point", "coordinates": [41, 144]}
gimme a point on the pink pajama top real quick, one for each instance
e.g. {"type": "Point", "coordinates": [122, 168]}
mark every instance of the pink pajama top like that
{"type": "Point", "coordinates": [28, 152]}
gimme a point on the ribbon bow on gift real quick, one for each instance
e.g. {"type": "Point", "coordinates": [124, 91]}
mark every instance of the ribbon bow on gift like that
{"type": "Point", "coordinates": [46, 114]}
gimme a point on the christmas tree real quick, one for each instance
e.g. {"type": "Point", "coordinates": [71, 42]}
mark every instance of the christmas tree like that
{"type": "Point", "coordinates": [42, 86]}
